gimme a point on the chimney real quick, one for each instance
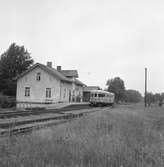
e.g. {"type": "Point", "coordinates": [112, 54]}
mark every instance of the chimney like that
{"type": "Point", "coordinates": [59, 68]}
{"type": "Point", "coordinates": [49, 64]}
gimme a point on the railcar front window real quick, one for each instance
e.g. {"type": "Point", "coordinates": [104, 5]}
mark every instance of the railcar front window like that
{"type": "Point", "coordinates": [101, 95]}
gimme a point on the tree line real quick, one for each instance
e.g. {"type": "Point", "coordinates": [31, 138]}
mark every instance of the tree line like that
{"type": "Point", "coordinates": [154, 98]}
{"type": "Point", "coordinates": [117, 86]}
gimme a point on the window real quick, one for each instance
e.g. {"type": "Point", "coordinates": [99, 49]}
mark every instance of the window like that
{"type": "Point", "coordinates": [95, 95]}
{"type": "Point", "coordinates": [101, 95]}
{"type": "Point", "coordinates": [38, 76]}
{"type": "Point", "coordinates": [27, 91]}
{"type": "Point", "coordinates": [92, 95]}
{"type": "Point", "coordinates": [48, 92]}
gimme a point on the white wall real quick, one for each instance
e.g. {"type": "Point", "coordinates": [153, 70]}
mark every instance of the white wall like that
{"type": "Point", "coordinates": [59, 89]}
{"type": "Point", "coordinates": [38, 88]}
{"type": "Point", "coordinates": [79, 92]}
{"type": "Point", "coordinates": [65, 88]}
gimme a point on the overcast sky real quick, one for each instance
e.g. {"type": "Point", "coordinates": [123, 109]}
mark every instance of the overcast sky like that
{"type": "Point", "coordinates": [100, 38]}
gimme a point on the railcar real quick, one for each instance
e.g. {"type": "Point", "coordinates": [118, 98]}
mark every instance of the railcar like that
{"type": "Point", "coordinates": [101, 98]}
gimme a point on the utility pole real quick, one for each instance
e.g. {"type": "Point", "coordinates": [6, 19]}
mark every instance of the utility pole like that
{"type": "Point", "coordinates": [145, 98]}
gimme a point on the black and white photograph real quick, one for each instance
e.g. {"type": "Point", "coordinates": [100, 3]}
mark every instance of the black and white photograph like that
{"type": "Point", "coordinates": [81, 83]}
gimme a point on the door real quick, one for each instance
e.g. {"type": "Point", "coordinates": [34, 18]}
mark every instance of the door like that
{"type": "Point", "coordinates": [69, 95]}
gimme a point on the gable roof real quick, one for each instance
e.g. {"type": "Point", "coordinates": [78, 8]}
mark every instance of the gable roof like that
{"type": "Point", "coordinates": [53, 72]}
{"type": "Point", "coordinates": [50, 70]}
{"type": "Point", "coordinates": [79, 82]}
{"type": "Point", "coordinates": [70, 73]}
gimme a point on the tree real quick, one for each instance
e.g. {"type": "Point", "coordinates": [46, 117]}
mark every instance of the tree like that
{"type": "Point", "coordinates": [116, 85]}
{"type": "Point", "coordinates": [157, 97]}
{"type": "Point", "coordinates": [12, 63]}
{"type": "Point", "coordinates": [162, 96]}
{"type": "Point", "coordinates": [150, 98]}
{"type": "Point", "coordinates": [133, 96]}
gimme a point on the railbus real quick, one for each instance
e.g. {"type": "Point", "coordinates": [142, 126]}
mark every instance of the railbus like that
{"type": "Point", "coordinates": [101, 98]}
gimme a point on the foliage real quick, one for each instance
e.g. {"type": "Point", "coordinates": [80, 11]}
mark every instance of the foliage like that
{"type": "Point", "coordinates": [133, 96]}
{"type": "Point", "coordinates": [162, 96]}
{"type": "Point", "coordinates": [157, 97]}
{"type": "Point", "coordinates": [7, 102]}
{"type": "Point", "coordinates": [116, 85]}
{"type": "Point", "coordinates": [12, 63]}
{"type": "Point", "coordinates": [150, 98]}
{"type": "Point", "coordinates": [154, 98]}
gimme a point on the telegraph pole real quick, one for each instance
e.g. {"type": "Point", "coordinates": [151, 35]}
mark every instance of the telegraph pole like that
{"type": "Point", "coordinates": [145, 98]}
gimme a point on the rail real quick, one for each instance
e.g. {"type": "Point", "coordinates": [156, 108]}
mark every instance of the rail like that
{"type": "Point", "coordinates": [21, 127]}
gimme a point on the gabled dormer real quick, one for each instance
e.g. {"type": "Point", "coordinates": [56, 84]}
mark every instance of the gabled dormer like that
{"type": "Point", "coordinates": [68, 73]}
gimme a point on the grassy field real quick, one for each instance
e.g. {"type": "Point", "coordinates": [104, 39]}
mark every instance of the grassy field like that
{"type": "Point", "coordinates": [126, 136]}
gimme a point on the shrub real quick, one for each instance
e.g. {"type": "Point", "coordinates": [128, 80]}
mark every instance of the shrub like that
{"type": "Point", "coordinates": [7, 102]}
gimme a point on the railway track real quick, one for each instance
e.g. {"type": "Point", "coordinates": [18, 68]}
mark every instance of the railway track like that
{"type": "Point", "coordinates": [24, 130]}
{"type": "Point", "coordinates": [21, 127]}
{"type": "Point", "coordinates": [42, 111]}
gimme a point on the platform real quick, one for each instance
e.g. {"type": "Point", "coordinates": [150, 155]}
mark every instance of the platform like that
{"type": "Point", "coordinates": [62, 105]}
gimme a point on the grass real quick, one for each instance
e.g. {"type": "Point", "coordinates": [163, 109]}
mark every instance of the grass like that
{"type": "Point", "coordinates": [126, 136]}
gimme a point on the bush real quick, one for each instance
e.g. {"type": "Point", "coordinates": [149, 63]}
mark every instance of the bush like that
{"type": "Point", "coordinates": [7, 102]}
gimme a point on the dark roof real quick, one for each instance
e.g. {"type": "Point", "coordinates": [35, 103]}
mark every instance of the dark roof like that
{"type": "Point", "coordinates": [89, 88]}
{"type": "Point", "coordinates": [70, 73]}
{"type": "Point", "coordinates": [50, 70]}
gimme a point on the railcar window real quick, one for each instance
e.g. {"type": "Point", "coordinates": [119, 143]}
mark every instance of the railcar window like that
{"type": "Point", "coordinates": [95, 95]}
{"type": "Point", "coordinates": [101, 95]}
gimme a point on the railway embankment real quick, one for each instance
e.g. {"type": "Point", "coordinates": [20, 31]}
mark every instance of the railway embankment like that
{"type": "Point", "coordinates": [23, 121]}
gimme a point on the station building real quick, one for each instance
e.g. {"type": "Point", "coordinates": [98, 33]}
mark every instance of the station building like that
{"type": "Point", "coordinates": [42, 85]}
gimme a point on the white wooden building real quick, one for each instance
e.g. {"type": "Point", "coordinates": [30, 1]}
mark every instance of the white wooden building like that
{"type": "Point", "coordinates": [42, 85]}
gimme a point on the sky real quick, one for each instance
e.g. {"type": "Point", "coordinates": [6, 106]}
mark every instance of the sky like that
{"type": "Point", "coordinates": [102, 39]}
